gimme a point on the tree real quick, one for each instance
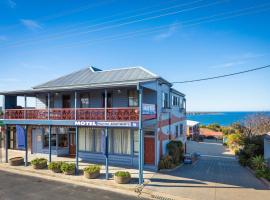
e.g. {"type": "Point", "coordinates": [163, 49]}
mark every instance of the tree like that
{"type": "Point", "coordinates": [257, 124]}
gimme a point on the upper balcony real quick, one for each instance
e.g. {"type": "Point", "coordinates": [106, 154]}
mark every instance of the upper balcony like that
{"type": "Point", "coordinates": [109, 114]}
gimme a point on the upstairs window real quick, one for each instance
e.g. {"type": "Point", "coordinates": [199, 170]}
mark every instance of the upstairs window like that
{"type": "Point", "coordinates": [132, 98]}
{"type": "Point", "coordinates": [84, 100]}
{"type": "Point", "coordinates": [165, 100]}
{"type": "Point", "coordinates": [175, 101]}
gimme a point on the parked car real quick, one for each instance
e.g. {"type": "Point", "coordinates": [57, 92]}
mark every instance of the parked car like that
{"type": "Point", "coordinates": [188, 158]}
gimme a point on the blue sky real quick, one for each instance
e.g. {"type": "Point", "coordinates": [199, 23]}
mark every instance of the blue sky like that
{"type": "Point", "coordinates": [179, 40]}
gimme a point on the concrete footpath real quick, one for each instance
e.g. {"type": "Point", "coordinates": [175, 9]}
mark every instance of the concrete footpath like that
{"type": "Point", "coordinates": [132, 189]}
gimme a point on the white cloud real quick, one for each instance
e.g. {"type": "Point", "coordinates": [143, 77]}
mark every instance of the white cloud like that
{"type": "Point", "coordinates": [8, 80]}
{"type": "Point", "coordinates": [229, 64]}
{"type": "Point", "coordinates": [31, 24]}
{"type": "Point", "coordinates": [11, 4]}
{"type": "Point", "coordinates": [168, 33]}
{"type": "Point", "coordinates": [238, 60]}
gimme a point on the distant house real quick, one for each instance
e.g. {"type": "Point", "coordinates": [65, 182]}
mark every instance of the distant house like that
{"type": "Point", "coordinates": [193, 128]}
{"type": "Point", "coordinates": [206, 132]}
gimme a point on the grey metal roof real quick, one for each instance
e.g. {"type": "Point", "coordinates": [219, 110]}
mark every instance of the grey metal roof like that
{"type": "Point", "coordinates": [92, 76]}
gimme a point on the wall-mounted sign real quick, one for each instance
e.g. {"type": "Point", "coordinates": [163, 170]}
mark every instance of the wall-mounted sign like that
{"type": "Point", "coordinates": [107, 124]}
{"type": "Point", "coordinates": [149, 111]}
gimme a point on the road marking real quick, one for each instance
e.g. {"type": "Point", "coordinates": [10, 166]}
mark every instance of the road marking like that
{"type": "Point", "coordinates": [212, 156]}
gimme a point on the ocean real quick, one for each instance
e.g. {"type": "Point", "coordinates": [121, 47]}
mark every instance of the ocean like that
{"type": "Point", "coordinates": [222, 118]}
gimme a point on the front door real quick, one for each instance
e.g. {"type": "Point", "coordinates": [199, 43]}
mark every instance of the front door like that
{"type": "Point", "coordinates": [66, 101]}
{"type": "Point", "coordinates": [149, 150]}
{"type": "Point", "coordinates": [72, 145]}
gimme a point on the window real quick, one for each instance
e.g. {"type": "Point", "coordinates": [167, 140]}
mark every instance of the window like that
{"type": "Point", "coordinates": [51, 101]}
{"type": "Point", "coordinates": [165, 100]}
{"type": "Point", "coordinates": [90, 140]}
{"type": "Point", "coordinates": [181, 129]}
{"type": "Point", "coordinates": [46, 137]}
{"type": "Point", "coordinates": [175, 101]}
{"type": "Point", "coordinates": [136, 142]}
{"type": "Point", "coordinates": [132, 98]}
{"type": "Point", "coordinates": [84, 101]}
{"type": "Point", "coordinates": [176, 131]}
{"type": "Point", "coordinates": [62, 137]}
{"type": "Point", "coordinates": [120, 141]}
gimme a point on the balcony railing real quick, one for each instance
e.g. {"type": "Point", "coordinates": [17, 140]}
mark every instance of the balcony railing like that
{"type": "Point", "coordinates": [110, 114]}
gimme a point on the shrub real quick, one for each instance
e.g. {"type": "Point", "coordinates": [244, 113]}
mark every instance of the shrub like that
{"type": "Point", "coordinates": [258, 162]}
{"type": "Point", "coordinates": [92, 169]}
{"type": "Point", "coordinates": [68, 167]}
{"type": "Point", "coordinates": [122, 174]}
{"type": "Point", "coordinates": [55, 166]}
{"type": "Point", "coordinates": [39, 163]}
{"type": "Point", "coordinates": [264, 173]}
{"type": "Point", "coordinates": [175, 150]}
{"type": "Point", "coordinates": [166, 162]}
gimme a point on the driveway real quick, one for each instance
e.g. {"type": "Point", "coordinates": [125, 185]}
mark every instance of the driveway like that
{"type": "Point", "coordinates": [215, 176]}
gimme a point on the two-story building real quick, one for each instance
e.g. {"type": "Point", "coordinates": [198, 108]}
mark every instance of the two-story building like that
{"type": "Point", "coordinates": [128, 114]}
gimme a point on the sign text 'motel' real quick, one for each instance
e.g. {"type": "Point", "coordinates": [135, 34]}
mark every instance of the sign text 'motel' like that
{"type": "Point", "coordinates": [106, 123]}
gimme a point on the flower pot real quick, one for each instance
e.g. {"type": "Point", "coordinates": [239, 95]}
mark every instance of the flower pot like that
{"type": "Point", "coordinates": [122, 180]}
{"type": "Point", "coordinates": [16, 161]}
{"type": "Point", "coordinates": [56, 170]}
{"type": "Point", "coordinates": [71, 172]}
{"type": "Point", "coordinates": [91, 175]}
{"type": "Point", "coordinates": [40, 166]}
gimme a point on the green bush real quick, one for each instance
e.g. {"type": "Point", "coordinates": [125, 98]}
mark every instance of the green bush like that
{"type": "Point", "coordinates": [166, 162]}
{"type": "Point", "coordinates": [258, 162]}
{"type": "Point", "coordinates": [68, 167]}
{"type": "Point", "coordinates": [55, 166]}
{"type": "Point", "coordinates": [39, 161]}
{"type": "Point", "coordinates": [263, 173]}
{"type": "Point", "coordinates": [92, 169]}
{"type": "Point", "coordinates": [176, 151]}
{"type": "Point", "coordinates": [122, 174]}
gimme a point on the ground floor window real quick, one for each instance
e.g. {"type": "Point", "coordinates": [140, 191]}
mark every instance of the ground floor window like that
{"type": "Point", "coordinates": [90, 140]}
{"type": "Point", "coordinates": [58, 136]}
{"type": "Point", "coordinates": [136, 142]}
{"type": "Point", "coordinates": [120, 141]}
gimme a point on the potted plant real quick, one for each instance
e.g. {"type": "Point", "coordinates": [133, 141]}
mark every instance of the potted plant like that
{"type": "Point", "coordinates": [39, 163]}
{"type": "Point", "coordinates": [92, 171]}
{"type": "Point", "coordinates": [122, 177]}
{"type": "Point", "coordinates": [68, 168]}
{"type": "Point", "coordinates": [16, 161]}
{"type": "Point", "coordinates": [55, 166]}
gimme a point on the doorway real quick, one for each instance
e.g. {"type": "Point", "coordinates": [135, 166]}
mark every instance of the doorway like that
{"type": "Point", "coordinates": [72, 144]}
{"type": "Point", "coordinates": [149, 150]}
{"type": "Point", "coordinates": [66, 101]}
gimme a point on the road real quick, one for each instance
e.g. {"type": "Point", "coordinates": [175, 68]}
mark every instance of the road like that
{"type": "Point", "coordinates": [215, 176]}
{"type": "Point", "coordinates": [18, 187]}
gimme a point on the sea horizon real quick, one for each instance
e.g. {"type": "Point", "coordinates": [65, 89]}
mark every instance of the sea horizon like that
{"type": "Point", "coordinates": [224, 118]}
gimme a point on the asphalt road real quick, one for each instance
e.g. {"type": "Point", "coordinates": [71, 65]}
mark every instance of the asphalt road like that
{"type": "Point", "coordinates": [13, 187]}
{"type": "Point", "coordinates": [217, 175]}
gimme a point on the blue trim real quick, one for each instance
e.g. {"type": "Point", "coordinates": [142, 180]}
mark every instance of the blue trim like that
{"type": "Point", "coordinates": [26, 148]}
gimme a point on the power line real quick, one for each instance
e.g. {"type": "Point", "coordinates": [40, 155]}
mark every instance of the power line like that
{"type": "Point", "coordinates": [188, 23]}
{"type": "Point", "coordinates": [222, 76]}
{"type": "Point", "coordinates": [75, 33]}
